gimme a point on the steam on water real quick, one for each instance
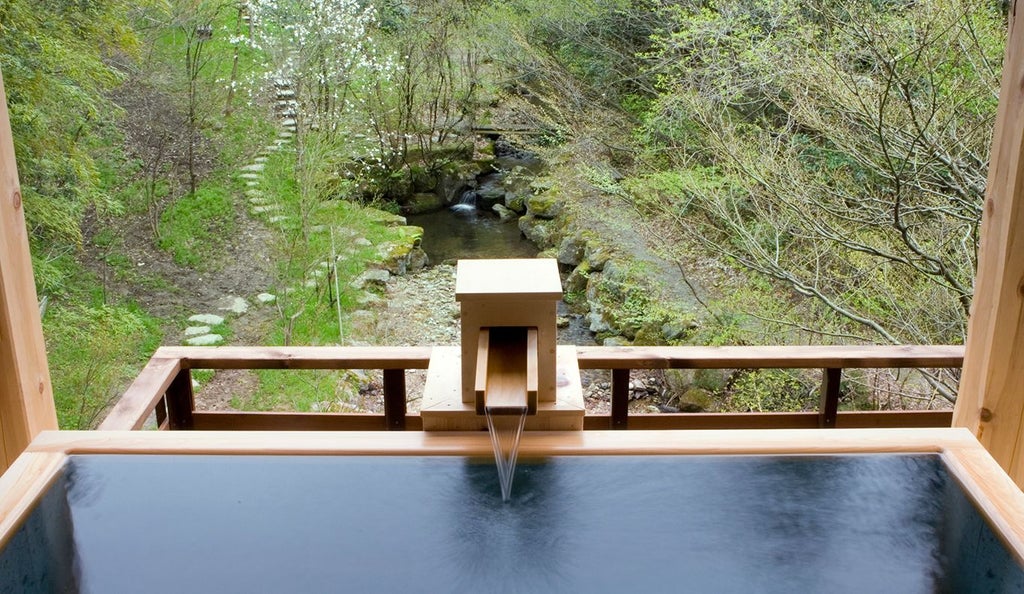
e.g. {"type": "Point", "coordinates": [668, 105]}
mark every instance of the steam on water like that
{"type": "Point", "coordinates": [505, 432]}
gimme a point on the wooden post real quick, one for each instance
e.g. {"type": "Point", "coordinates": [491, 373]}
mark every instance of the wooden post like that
{"type": "Point", "coordinates": [991, 398]}
{"type": "Point", "coordinates": [26, 396]}
{"type": "Point", "coordinates": [620, 399]}
{"type": "Point", "coordinates": [828, 409]}
{"type": "Point", "coordinates": [181, 402]}
{"type": "Point", "coordinates": [394, 399]}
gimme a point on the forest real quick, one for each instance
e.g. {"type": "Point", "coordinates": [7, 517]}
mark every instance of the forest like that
{"type": "Point", "coordinates": [713, 172]}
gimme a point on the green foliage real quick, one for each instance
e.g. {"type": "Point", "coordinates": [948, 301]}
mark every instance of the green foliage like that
{"type": "Point", "coordinates": [770, 390]}
{"type": "Point", "coordinates": [54, 57]}
{"type": "Point", "coordinates": [94, 351]}
{"type": "Point", "coordinates": [195, 226]}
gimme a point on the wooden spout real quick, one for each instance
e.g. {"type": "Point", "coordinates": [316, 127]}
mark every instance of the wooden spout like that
{"type": "Point", "coordinates": [506, 371]}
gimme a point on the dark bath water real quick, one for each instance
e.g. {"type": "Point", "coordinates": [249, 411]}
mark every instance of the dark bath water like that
{"type": "Point", "coordinates": [883, 523]}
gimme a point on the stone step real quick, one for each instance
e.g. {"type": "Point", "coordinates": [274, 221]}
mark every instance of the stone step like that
{"type": "Point", "coordinates": [266, 208]}
{"type": "Point", "coordinates": [255, 167]}
{"type": "Point", "coordinates": [205, 340]}
{"type": "Point", "coordinates": [249, 175]}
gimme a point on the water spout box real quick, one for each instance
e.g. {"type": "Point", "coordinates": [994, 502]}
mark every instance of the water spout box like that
{"type": "Point", "coordinates": [508, 356]}
{"type": "Point", "coordinates": [512, 293]}
{"type": "Point", "coordinates": [506, 371]}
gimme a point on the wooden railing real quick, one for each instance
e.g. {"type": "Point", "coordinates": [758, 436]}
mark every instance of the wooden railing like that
{"type": "Point", "coordinates": [165, 385]}
{"type": "Point", "coordinates": [830, 359]}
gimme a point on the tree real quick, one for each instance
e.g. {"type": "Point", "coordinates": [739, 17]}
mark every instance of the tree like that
{"type": "Point", "coordinates": [851, 144]}
{"type": "Point", "coordinates": [56, 58]}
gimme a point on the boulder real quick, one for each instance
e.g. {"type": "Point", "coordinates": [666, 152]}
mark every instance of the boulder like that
{"type": "Point", "coordinates": [503, 213]}
{"type": "Point", "coordinates": [544, 206]}
{"type": "Point", "coordinates": [571, 250]}
{"type": "Point", "coordinates": [422, 202]}
{"type": "Point", "coordinates": [542, 232]}
{"type": "Point", "coordinates": [515, 202]}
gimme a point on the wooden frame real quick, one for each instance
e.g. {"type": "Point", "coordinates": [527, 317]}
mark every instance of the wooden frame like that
{"type": "Point", "coordinates": [26, 395]}
{"type": "Point", "coordinates": [992, 491]}
{"type": "Point", "coordinates": [991, 398]}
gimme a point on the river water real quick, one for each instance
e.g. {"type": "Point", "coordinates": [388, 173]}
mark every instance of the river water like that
{"type": "Point", "coordinates": [450, 235]}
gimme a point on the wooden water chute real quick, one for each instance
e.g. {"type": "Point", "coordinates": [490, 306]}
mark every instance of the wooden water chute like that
{"type": "Point", "coordinates": [508, 360]}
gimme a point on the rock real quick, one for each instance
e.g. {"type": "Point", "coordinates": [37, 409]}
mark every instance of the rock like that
{"type": "Point", "coordinates": [233, 304]}
{"type": "Point", "coordinates": [288, 122]}
{"type": "Point", "coordinates": [695, 400]}
{"type": "Point", "coordinates": [255, 167]}
{"type": "Point", "coordinates": [675, 329]}
{"type": "Point", "coordinates": [370, 300]}
{"type": "Point", "coordinates": [265, 208]}
{"type": "Point", "coordinates": [378, 278]}
{"type": "Point", "coordinates": [562, 322]}
{"type": "Point", "coordinates": [362, 242]}
{"type": "Point", "coordinates": [515, 203]}
{"type": "Point", "coordinates": [598, 323]}
{"type": "Point", "coordinates": [417, 260]}
{"type": "Point", "coordinates": [597, 256]}
{"type": "Point", "coordinates": [571, 250]}
{"type": "Point", "coordinates": [504, 213]}
{"type": "Point", "coordinates": [614, 341]}
{"type": "Point", "coordinates": [544, 206]}
{"type": "Point", "coordinates": [422, 202]}
{"type": "Point", "coordinates": [205, 340]}
{"type": "Point", "coordinates": [265, 298]}
{"type": "Point", "coordinates": [207, 319]}
{"type": "Point", "coordinates": [249, 175]}
{"type": "Point", "coordinates": [540, 231]}
{"type": "Point", "coordinates": [197, 330]}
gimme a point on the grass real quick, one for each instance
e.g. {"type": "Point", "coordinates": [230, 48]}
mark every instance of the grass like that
{"type": "Point", "coordinates": [94, 351]}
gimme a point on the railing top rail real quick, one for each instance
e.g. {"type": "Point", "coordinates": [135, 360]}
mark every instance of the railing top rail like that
{"type": "Point", "coordinates": [779, 357]}
{"type": "Point", "coordinates": [304, 357]}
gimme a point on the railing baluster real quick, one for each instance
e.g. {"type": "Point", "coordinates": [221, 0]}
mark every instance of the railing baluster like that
{"type": "Point", "coordinates": [828, 409]}
{"type": "Point", "coordinates": [180, 402]}
{"type": "Point", "coordinates": [161, 413]}
{"type": "Point", "coordinates": [620, 398]}
{"type": "Point", "coordinates": [394, 399]}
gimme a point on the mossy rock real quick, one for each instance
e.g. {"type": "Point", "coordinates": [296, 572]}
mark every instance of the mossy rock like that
{"type": "Point", "coordinates": [386, 218]}
{"type": "Point", "coordinates": [423, 180]}
{"type": "Point", "coordinates": [544, 206]}
{"type": "Point", "coordinates": [515, 203]}
{"type": "Point", "coordinates": [577, 280]}
{"type": "Point", "coordinates": [696, 400]}
{"type": "Point", "coordinates": [422, 202]}
{"type": "Point", "coordinates": [571, 250]}
{"type": "Point", "coordinates": [542, 232]}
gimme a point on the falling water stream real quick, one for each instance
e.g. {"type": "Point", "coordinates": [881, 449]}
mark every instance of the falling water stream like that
{"type": "Point", "coordinates": [505, 430]}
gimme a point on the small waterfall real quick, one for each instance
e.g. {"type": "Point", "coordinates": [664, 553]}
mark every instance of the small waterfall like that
{"type": "Point", "coordinates": [466, 202]}
{"type": "Point", "coordinates": [506, 431]}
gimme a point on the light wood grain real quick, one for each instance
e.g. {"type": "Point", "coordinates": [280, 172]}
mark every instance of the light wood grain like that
{"type": "Point", "coordinates": [775, 441]}
{"type": "Point", "coordinates": [781, 420]}
{"type": "Point", "coordinates": [132, 410]}
{"type": "Point", "coordinates": [777, 357]}
{"type": "Point", "coordinates": [993, 492]}
{"type": "Point", "coordinates": [318, 357]}
{"type": "Point", "coordinates": [26, 394]}
{"type": "Point", "coordinates": [991, 397]}
{"type": "Point", "coordinates": [505, 388]}
{"type": "Point", "coordinates": [517, 279]}
{"type": "Point", "coordinates": [22, 485]}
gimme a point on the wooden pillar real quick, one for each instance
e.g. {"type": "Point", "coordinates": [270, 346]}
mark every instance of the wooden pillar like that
{"type": "Point", "coordinates": [26, 396]}
{"type": "Point", "coordinates": [991, 398]}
